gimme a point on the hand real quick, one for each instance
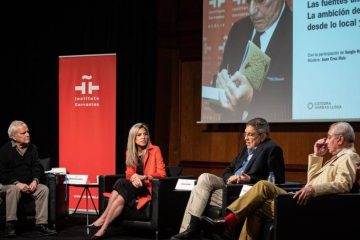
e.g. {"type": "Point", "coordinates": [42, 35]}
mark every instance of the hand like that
{"type": "Point", "coordinates": [222, 79]}
{"type": "Point", "coordinates": [23, 187]}
{"type": "Point", "coordinates": [233, 179]}
{"type": "Point", "coordinates": [136, 181]}
{"type": "Point", "coordinates": [320, 147]}
{"type": "Point", "coordinates": [32, 186]}
{"type": "Point", "coordinates": [145, 177]}
{"type": "Point", "coordinates": [304, 194]}
{"type": "Point", "coordinates": [244, 178]}
{"type": "Point", "coordinates": [238, 93]}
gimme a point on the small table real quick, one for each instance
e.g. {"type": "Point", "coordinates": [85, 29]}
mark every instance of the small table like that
{"type": "Point", "coordinates": [86, 189]}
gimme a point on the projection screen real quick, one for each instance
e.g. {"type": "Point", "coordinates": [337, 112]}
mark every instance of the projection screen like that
{"type": "Point", "coordinates": [305, 66]}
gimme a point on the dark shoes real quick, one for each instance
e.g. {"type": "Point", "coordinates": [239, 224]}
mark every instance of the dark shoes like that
{"type": "Point", "coordinates": [41, 228]}
{"type": "Point", "coordinates": [214, 223]}
{"type": "Point", "coordinates": [105, 235]}
{"type": "Point", "coordinates": [10, 230]}
{"type": "Point", "coordinates": [187, 234]}
{"type": "Point", "coordinates": [218, 227]}
{"type": "Point", "coordinates": [44, 230]}
{"type": "Point", "coordinates": [192, 231]}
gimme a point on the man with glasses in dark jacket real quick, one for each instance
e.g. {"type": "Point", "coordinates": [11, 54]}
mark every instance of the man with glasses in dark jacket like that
{"type": "Point", "coordinates": [258, 157]}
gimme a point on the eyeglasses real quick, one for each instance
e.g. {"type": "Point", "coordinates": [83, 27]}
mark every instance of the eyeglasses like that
{"type": "Point", "coordinates": [251, 135]}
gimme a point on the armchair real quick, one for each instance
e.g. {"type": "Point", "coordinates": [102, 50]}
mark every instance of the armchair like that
{"type": "Point", "coordinates": [323, 217]}
{"type": "Point", "coordinates": [165, 210]}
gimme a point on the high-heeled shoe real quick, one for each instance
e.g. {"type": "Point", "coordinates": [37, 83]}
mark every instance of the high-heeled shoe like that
{"type": "Point", "coordinates": [94, 237]}
{"type": "Point", "coordinates": [93, 226]}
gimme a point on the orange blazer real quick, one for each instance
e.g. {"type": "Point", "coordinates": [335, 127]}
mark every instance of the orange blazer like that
{"type": "Point", "coordinates": [153, 166]}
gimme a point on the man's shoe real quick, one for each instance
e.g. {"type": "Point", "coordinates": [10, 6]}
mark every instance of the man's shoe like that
{"type": "Point", "coordinates": [10, 230]}
{"type": "Point", "coordinates": [187, 234]}
{"type": "Point", "coordinates": [214, 223]}
{"type": "Point", "coordinates": [44, 230]}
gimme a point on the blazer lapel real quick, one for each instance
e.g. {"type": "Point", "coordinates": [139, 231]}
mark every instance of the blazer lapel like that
{"type": "Point", "coordinates": [255, 154]}
{"type": "Point", "coordinates": [146, 157]}
{"type": "Point", "coordinates": [330, 161]}
{"type": "Point", "coordinates": [240, 159]}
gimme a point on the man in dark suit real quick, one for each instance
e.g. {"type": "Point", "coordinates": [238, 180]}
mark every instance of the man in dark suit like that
{"type": "Point", "coordinates": [257, 158]}
{"type": "Point", "coordinates": [269, 26]}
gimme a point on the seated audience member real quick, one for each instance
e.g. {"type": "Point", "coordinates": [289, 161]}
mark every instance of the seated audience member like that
{"type": "Point", "coordinates": [257, 158]}
{"type": "Point", "coordinates": [20, 171]}
{"type": "Point", "coordinates": [336, 175]}
{"type": "Point", "coordinates": [143, 163]}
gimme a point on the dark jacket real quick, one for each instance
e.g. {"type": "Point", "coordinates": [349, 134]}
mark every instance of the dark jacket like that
{"type": "Point", "coordinates": [267, 157]}
{"type": "Point", "coordinates": [274, 96]}
{"type": "Point", "coordinates": [14, 167]}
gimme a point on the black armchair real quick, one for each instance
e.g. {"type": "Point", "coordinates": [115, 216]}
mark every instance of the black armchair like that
{"type": "Point", "coordinates": [324, 217]}
{"type": "Point", "coordinates": [165, 210]}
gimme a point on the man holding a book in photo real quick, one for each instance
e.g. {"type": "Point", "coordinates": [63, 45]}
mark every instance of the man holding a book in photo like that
{"type": "Point", "coordinates": [256, 70]}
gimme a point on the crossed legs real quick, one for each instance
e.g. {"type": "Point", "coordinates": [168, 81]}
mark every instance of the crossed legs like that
{"type": "Point", "coordinates": [256, 205]}
{"type": "Point", "coordinates": [208, 190]}
{"type": "Point", "coordinates": [113, 209]}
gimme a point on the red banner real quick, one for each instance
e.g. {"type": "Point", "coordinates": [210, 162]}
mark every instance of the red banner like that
{"type": "Point", "coordinates": [87, 119]}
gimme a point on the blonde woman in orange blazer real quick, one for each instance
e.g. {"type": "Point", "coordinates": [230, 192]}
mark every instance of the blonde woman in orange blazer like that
{"type": "Point", "coordinates": [143, 163]}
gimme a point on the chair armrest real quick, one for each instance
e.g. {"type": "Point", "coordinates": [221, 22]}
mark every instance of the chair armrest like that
{"type": "Point", "coordinates": [50, 182]}
{"type": "Point", "coordinates": [106, 182]}
{"type": "Point", "coordinates": [174, 171]}
{"type": "Point", "coordinates": [323, 217]}
{"type": "Point", "coordinates": [168, 204]}
{"type": "Point", "coordinates": [58, 198]}
{"type": "Point", "coordinates": [230, 193]}
{"type": "Point", "coordinates": [291, 187]}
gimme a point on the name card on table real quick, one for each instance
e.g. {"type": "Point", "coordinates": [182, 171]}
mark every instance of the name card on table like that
{"type": "Point", "coordinates": [59, 170]}
{"type": "Point", "coordinates": [185, 184]}
{"type": "Point", "coordinates": [75, 179]}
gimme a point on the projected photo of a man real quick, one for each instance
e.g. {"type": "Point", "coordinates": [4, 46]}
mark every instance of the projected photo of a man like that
{"type": "Point", "coordinates": [269, 26]}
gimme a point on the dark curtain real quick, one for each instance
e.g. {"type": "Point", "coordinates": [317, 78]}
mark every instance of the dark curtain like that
{"type": "Point", "coordinates": [35, 34]}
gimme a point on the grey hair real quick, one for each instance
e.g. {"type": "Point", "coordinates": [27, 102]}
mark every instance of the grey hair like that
{"type": "Point", "coordinates": [260, 124]}
{"type": "Point", "coordinates": [13, 127]}
{"type": "Point", "coordinates": [344, 129]}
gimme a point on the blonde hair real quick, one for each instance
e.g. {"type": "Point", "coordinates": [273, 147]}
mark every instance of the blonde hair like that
{"type": "Point", "coordinates": [132, 157]}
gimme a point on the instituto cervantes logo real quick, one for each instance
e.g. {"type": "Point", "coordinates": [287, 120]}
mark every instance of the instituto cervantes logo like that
{"type": "Point", "coordinates": [87, 89]}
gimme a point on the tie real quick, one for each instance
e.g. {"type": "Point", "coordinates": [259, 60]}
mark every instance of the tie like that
{"type": "Point", "coordinates": [256, 39]}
